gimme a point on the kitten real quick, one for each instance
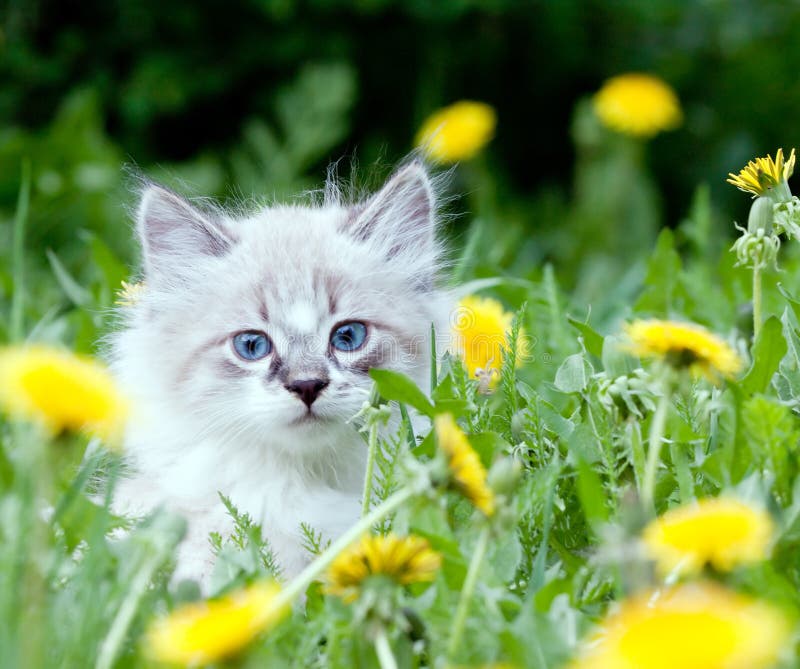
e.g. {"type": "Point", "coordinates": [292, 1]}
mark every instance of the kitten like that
{"type": "Point", "coordinates": [248, 353]}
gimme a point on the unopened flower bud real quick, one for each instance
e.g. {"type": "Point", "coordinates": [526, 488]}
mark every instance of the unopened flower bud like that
{"type": "Point", "coordinates": [760, 217]}
{"type": "Point", "coordinates": [757, 249]}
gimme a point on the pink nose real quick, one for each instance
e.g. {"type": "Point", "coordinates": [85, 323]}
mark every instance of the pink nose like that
{"type": "Point", "coordinates": [308, 390]}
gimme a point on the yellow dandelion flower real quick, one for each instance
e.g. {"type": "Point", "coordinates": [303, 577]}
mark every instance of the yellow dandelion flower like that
{"type": "Point", "coordinates": [722, 532]}
{"type": "Point", "coordinates": [405, 560]}
{"type": "Point", "coordinates": [683, 345]}
{"type": "Point", "coordinates": [639, 105]}
{"type": "Point", "coordinates": [457, 132]}
{"type": "Point", "coordinates": [60, 390]}
{"type": "Point", "coordinates": [466, 469]}
{"type": "Point", "coordinates": [479, 326]}
{"type": "Point", "coordinates": [129, 293]}
{"type": "Point", "coordinates": [205, 632]}
{"type": "Point", "coordinates": [698, 626]}
{"type": "Point", "coordinates": [762, 174]}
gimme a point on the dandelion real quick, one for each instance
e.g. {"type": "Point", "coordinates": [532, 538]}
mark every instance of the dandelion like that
{"type": "Point", "coordinates": [457, 132]}
{"type": "Point", "coordinates": [404, 560]}
{"type": "Point", "coordinates": [467, 472]}
{"type": "Point", "coordinates": [60, 390]}
{"type": "Point", "coordinates": [639, 105]}
{"type": "Point", "coordinates": [683, 346]}
{"type": "Point", "coordinates": [129, 293]}
{"type": "Point", "coordinates": [698, 626]}
{"type": "Point", "coordinates": [205, 632]}
{"type": "Point", "coordinates": [722, 532]}
{"type": "Point", "coordinates": [480, 328]}
{"type": "Point", "coordinates": [761, 175]}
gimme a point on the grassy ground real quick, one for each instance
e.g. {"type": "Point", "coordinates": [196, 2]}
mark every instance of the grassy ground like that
{"type": "Point", "coordinates": [602, 442]}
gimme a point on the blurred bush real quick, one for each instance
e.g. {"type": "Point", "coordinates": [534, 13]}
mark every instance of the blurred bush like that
{"type": "Point", "coordinates": [255, 98]}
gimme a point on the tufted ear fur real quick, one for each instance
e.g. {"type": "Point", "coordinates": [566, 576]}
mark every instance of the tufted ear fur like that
{"type": "Point", "coordinates": [174, 234]}
{"type": "Point", "coordinates": [399, 219]}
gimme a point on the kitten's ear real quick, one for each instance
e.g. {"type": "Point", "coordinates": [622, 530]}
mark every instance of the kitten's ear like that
{"type": "Point", "coordinates": [400, 217]}
{"type": "Point", "coordinates": [173, 233]}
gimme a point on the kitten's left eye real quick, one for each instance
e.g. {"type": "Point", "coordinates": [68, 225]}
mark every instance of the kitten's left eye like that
{"type": "Point", "coordinates": [349, 336]}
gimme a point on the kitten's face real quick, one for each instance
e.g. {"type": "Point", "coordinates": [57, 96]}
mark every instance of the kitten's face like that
{"type": "Point", "coordinates": [266, 327]}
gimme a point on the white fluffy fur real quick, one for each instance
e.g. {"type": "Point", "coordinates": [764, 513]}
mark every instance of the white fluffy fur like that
{"type": "Point", "coordinates": [207, 421]}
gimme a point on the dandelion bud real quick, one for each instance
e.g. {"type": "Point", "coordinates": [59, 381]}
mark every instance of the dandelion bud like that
{"type": "Point", "coordinates": [761, 215]}
{"type": "Point", "coordinates": [757, 249]}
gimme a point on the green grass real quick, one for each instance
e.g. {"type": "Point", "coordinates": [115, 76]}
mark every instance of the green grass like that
{"type": "Point", "coordinates": [575, 416]}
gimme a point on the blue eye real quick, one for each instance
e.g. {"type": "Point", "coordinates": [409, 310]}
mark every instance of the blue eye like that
{"type": "Point", "coordinates": [252, 345]}
{"type": "Point", "coordinates": [349, 336]}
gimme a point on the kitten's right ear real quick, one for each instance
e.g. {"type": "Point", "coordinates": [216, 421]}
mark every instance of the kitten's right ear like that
{"type": "Point", "coordinates": [174, 234]}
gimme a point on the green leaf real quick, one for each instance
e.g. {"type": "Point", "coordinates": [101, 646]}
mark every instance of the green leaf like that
{"type": "Point", "coordinates": [592, 340]}
{"type": "Point", "coordinates": [75, 292]}
{"type": "Point", "coordinates": [661, 281]}
{"type": "Point", "coordinates": [590, 494]}
{"type": "Point", "coordinates": [487, 445]}
{"type": "Point", "coordinates": [771, 432]}
{"type": "Point", "coordinates": [398, 387]}
{"type": "Point", "coordinates": [769, 349]}
{"type": "Point", "coordinates": [616, 360]}
{"type": "Point", "coordinates": [794, 303]}
{"type": "Point", "coordinates": [573, 374]}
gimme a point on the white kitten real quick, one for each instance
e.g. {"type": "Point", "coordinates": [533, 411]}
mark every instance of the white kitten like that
{"type": "Point", "coordinates": [249, 349]}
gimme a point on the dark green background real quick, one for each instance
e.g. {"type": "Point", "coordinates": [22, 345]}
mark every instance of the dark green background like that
{"type": "Point", "coordinates": [195, 93]}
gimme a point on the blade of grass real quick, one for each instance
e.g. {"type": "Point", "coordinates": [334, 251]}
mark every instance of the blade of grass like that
{"type": "Point", "coordinates": [17, 321]}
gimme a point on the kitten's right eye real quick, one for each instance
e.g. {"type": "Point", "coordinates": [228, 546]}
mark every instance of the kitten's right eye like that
{"type": "Point", "coordinates": [252, 345]}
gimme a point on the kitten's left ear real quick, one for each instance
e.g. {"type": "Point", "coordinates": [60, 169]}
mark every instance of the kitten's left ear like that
{"type": "Point", "coordinates": [400, 217]}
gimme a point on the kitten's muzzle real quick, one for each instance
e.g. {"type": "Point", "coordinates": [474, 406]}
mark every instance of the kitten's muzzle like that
{"type": "Point", "coordinates": [308, 389]}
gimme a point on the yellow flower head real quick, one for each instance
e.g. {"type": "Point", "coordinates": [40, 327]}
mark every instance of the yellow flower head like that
{"type": "Point", "coordinates": [762, 174]}
{"type": "Point", "coordinates": [479, 326]}
{"type": "Point", "coordinates": [722, 532]}
{"type": "Point", "coordinates": [129, 293]}
{"type": "Point", "coordinates": [205, 632]}
{"type": "Point", "coordinates": [457, 132]}
{"type": "Point", "coordinates": [639, 105]}
{"type": "Point", "coordinates": [466, 470]}
{"type": "Point", "coordinates": [405, 560]}
{"type": "Point", "coordinates": [698, 626]}
{"type": "Point", "coordinates": [60, 390]}
{"type": "Point", "coordinates": [683, 345]}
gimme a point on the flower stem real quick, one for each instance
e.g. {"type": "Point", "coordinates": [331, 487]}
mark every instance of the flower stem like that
{"type": "Point", "coordinates": [756, 300]}
{"type": "Point", "coordinates": [16, 325]}
{"type": "Point", "coordinates": [654, 451]}
{"type": "Point", "coordinates": [466, 594]}
{"type": "Point", "coordinates": [119, 628]}
{"type": "Point", "coordinates": [383, 650]}
{"type": "Point", "coordinates": [372, 450]}
{"type": "Point", "coordinates": [305, 577]}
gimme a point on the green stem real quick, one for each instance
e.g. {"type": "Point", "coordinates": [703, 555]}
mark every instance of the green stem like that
{"type": "Point", "coordinates": [16, 326]}
{"type": "Point", "coordinates": [466, 594]}
{"type": "Point", "coordinates": [637, 452]}
{"type": "Point", "coordinates": [305, 577]}
{"type": "Point", "coordinates": [756, 300]}
{"type": "Point", "coordinates": [372, 450]}
{"type": "Point", "coordinates": [122, 622]}
{"type": "Point", "coordinates": [383, 650]}
{"type": "Point", "coordinates": [654, 451]}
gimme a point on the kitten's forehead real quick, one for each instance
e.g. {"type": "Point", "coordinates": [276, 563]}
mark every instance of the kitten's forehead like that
{"type": "Point", "coordinates": [303, 316]}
